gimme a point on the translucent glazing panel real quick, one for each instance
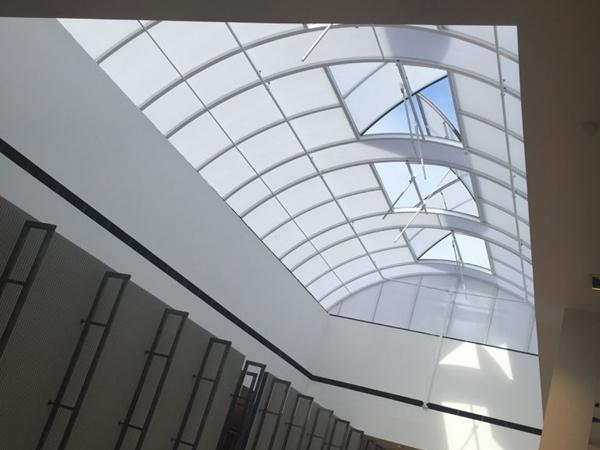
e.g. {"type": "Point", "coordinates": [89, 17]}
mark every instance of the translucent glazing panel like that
{"type": "Point", "coordinates": [320, 218]}
{"type": "Point", "coordinates": [284, 238]}
{"type": "Point", "coordinates": [98, 36]}
{"type": "Point", "coordinates": [343, 252]}
{"type": "Point", "coordinates": [349, 76]}
{"type": "Point", "coordinates": [503, 255]}
{"type": "Point", "coordinates": [362, 305]}
{"type": "Point", "coordinates": [303, 91]}
{"type": "Point", "coordinates": [494, 192]}
{"type": "Point", "coordinates": [189, 44]}
{"type": "Point", "coordinates": [355, 268]}
{"type": "Point", "coordinates": [485, 138]}
{"type": "Point", "coordinates": [375, 96]}
{"type": "Point", "coordinates": [335, 235]}
{"type": "Point", "coordinates": [508, 273]}
{"type": "Point", "coordinates": [419, 77]}
{"type": "Point", "coordinates": [470, 317]}
{"type": "Point", "coordinates": [200, 140]}
{"type": "Point", "coordinates": [381, 240]}
{"type": "Point", "coordinates": [271, 147]}
{"type": "Point", "coordinates": [352, 179]}
{"type": "Point", "coordinates": [304, 195]}
{"type": "Point", "coordinates": [248, 196]}
{"type": "Point", "coordinates": [363, 282]}
{"type": "Point", "coordinates": [324, 285]}
{"type": "Point", "coordinates": [250, 32]}
{"type": "Point", "coordinates": [421, 239]}
{"type": "Point", "coordinates": [311, 269]}
{"type": "Point", "coordinates": [481, 32]}
{"type": "Point", "coordinates": [227, 172]}
{"type": "Point", "coordinates": [363, 204]}
{"type": "Point", "coordinates": [139, 69]}
{"type": "Point", "coordinates": [517, 153]}
{"type": "Point", "coordinates": [298, 255]}
{"type": "Point", "coordinates": [323, 128]}
{"type": "Point", "coordinates": [387, 258]}
{"type": "Point", "coordinates": [396, 302]}
{"type": "Point", "coordinates": [431, 310]}
{"type": "Point", "coordinates": [440, 94]}
{"type": "Point", "coordinates": [172, 108]}
{"type": "Point", "coordinates": [499, 218]}
{"type": "Point", "coordinates": [479, 98]}
{"type": "Point", "coordinates": [247, 112]}
{"type": "Point", "coordinates": [332, 300]}
{"type": "Point", "coordinates": [266, 217]}
{"type": "Point", "coordinates": [288, 173]}
{"type": "Point", "coordinates": [514, 116]}
{"type": "Point", "coordinates": [507, 38]}
{"type": "Point", "coordinates": [511, 324]}
{"type": "Point", "coordinates": [217, 80]}
{"type": "Point", "coordinates": [443, 250]}
{"type": "Point", "coordinates": [473, 250]}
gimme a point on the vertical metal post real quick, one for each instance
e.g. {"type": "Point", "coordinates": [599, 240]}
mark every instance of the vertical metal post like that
{"type": "Point", "coordinates": [152, 353]}
{"type": "Point", "coordinates": [292, 423]}
{"type": "Point", "coordinates": [87, 323]}
{"type": "Point", "coordinates": [200, 376]}
{"type": "Point", "coordinates": [26, 284]}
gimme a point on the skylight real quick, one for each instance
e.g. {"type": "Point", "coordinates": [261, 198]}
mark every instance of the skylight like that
{"type": "Point", "coordinates": [355, 158]}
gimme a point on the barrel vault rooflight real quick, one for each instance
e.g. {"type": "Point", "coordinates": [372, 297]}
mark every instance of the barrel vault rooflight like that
{"type": "Point", "coordinates": [382, 165]}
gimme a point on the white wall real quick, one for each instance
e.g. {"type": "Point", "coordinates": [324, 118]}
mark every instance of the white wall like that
{"type": "Point", "coordinates": [61, 111]}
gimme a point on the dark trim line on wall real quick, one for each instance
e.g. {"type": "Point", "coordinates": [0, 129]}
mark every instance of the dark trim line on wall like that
{"type": "Point", "coordinates": [43, 177]}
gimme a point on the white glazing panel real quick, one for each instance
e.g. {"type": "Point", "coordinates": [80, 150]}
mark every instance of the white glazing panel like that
{"type": "Point", "coordinates": [431, 310]}
{"type": "Point", "coordinates": [343, 252]}
{"type": "Point", "coordinates": [375, 96]}
{"type": "Point", "coordinates": [420, 77]}
{"type": "Point", "coordinates": [227, 172]}
{"type": "Point", "coordinates": [338, 44]}
{"type": "Point", "coordinates": [323, 128]}
{"type": "Point", "coordinates": [387, 258]}
{"type": "Point", "coordinates": [437, 49]}
{"type": "Point", "coordinates": [250, 32]}
{"type": "Point", "coordinates": [381, 239]}
{"type": "Point", "coordinates": [362, 204]}
{"type": "Point", "coordinates": [509, 274]}
{"type": "Point", "coordinates": [396, 302]}
{"type": "Point", "coordinates": [510, 325]}
{"type": "Point", "coordinates": [98, 36]}
{"type": "Point", "coordinates": [288, 173]}
{"type": "Point", "coordinates": [517, 153]}
{"type": "Point", "coordinates": [507, 38]}
{"type": "Point", "coordinates": [248, 196]}
{"type": "Point", "coordinates": [271, 147]}
{"type": "Point", "coordinates": [190, 44]}
{"type": "Point", "coordinates": [479, 98]}
{"type": "Point", "coordinates": [331, 302]}
{"type": "Point", "coordinates": [265, 217]}
{"type": "Point", "coordinates": [200, 140]}
{"type": "Point", "coordinates": [499, 218]}
{"type": "Point", "coordinates": [324, 285]}
{"type": "Point", "coordinates": [524, 232]}
{"type": "Point", "coordinates": [349, 76]}
{"type": "Point", "coordinates": [320, 218]}
{"type": "Point", "coordinates": [514, 116]}
{"type": "Point", "coordinates": [304, 195]}
{"type": "Point", "coordinates": [493, 192]}
{"type": "Point", "coordinates": [355, 268]}
{"type": "Point", "coordinates": [508, 258]}
{"type": "Point", "coordinates": [247, 112]}
{"type": "Point", "coordinates": [481, 32]}
{"type": "Point", "coordinates": [352, 179]}
{"type": "Point", "coordinates": [303, 91]}
{"type": "Point", "coordinates": [363, 282]}
{"type": "Point", "coordinates": [485, 138]}
{"type": "Point", "coordinates": [422, 239]}
{"type": "Point", "coordinates": [139, 69]}
{"type": "Point", "coordinates": [470, 317]}
{"type": "Point", "coordinates": [332, 236]}
{"type": "Point", "coordinates": [311, 269]}
{"type": "Point", "coordinates": [510, 73]}
{"type": "Point", "coordinates": [443, 250]}
{"type": "Point", "coordinates": [172, 108]}
{"type": "Point", "coordinates": [298, 255]}
{"type": "Point", "coordinates": [520, 183]}
{"type": "Point", "coordinates": [362, 305]}
{"type": "Point", "coordinates": [522, 208]}
{"type": "Point", "coordinates": [224, 77]}
{"type": "Point", "coordinates": [284, 238]}
{"type": "Point", "coordinates": [472, 250]}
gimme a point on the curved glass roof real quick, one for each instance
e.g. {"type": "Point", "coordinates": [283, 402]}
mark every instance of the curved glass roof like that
{"type": "Point", "coordinates": [358, 154]}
